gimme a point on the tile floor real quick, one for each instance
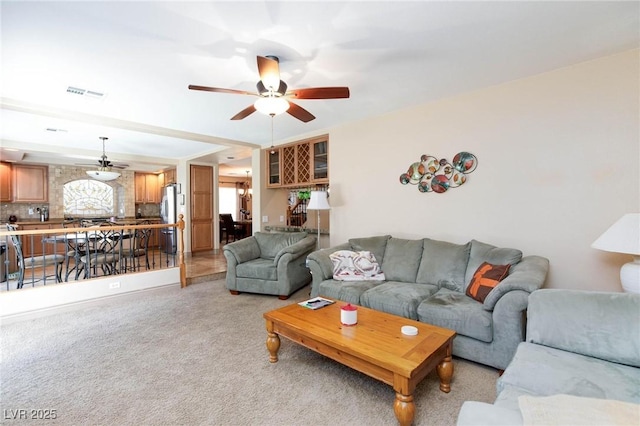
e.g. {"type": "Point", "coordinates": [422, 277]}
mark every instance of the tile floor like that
{"type": "Point", "coordinates": [205, 266]}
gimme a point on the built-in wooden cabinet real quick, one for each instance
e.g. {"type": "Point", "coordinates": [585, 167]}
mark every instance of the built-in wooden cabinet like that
{"type": "Point", "coordinates": [147, 188]}
{"type": "Point", "coordinates": [169, 176]}
{"type": "Point", "coordinates": [299, 164]}
{"type": "Point", "coordinates": [273, 167]}
{"type": "Point", "coordinates": [5, 182]}
{"type": "Point", "coordinates": [30, 183]}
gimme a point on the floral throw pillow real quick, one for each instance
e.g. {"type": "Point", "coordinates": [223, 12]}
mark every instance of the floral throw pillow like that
{"type": "Point", "coordinates": [355, 266]}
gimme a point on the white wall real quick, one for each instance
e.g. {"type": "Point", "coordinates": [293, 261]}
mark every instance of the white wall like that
{"type": "Point", "coordinates": [557, 157]}
{"type": "Point", "coordinates": [38, 300]}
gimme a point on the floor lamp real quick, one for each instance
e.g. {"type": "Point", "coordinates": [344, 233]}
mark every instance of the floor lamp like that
{"type": "Point", "coordinates": [318, 201]}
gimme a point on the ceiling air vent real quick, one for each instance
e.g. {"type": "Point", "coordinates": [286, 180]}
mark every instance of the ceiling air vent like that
{"type": "Point", "coordinates": [93, 94]}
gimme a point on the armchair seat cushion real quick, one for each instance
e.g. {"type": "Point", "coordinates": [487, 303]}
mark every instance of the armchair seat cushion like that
{"type": "Point", "coordinates": [262, 269]}
{"type": "Point", "coordinates": [456, 311]}
{"type": "Point", "coordinates": [397, 298]}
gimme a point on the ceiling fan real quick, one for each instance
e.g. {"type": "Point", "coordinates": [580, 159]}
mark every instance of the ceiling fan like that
{"type": "Point", "coordinates": [103, 163]}
{"type": "Point", "coordinates": [273, 96]}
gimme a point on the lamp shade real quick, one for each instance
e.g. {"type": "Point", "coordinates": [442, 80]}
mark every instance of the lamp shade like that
{"type": "Point", "coordinates": [318, 201]}
{"type": "Point", "coordinates": [622, 237]}
{"type": "Point", "coordinates": [103, 175]}
{"type": "Point", "coordinates": [271, 105]}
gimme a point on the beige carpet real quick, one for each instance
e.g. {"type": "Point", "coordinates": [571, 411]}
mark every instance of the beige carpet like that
{"type": "Point", "coordinates": [197, 356]}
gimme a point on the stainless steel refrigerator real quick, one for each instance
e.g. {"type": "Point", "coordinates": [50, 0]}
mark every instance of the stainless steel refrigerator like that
{"type": "Point", "coordinates": [169, 214]}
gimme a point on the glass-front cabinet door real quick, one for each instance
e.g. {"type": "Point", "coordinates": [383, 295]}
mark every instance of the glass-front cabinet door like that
{"type": "Point", "coordinates": [320, 161]}
{"type": "Point", "coordinates": [273, 168]}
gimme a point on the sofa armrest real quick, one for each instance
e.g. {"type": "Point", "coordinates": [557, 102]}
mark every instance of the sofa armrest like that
{"type": "Point", "coordinates": [602, 325]}
{"type": "Point", "coordinates": [243, 250]}
{"type": "Point", "coordinates": [321, 267]}
{"type": "Point", "coordinates": [298, 249]}
{"type": "Point", "coordinates": [528, 275]}
{"type": "Point", "coordinates": [320, 263]}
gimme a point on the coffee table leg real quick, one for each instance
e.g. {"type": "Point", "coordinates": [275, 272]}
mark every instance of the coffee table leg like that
{"type": "Point", "coordinates": [445, 372]}
{"type": "Point", "coordinates": [273, 343]}
{"type": "Point", "coordinates": [404, 408]}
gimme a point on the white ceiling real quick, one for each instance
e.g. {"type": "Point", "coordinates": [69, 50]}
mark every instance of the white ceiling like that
{"type": "Point", "coordinates": [143, 55]}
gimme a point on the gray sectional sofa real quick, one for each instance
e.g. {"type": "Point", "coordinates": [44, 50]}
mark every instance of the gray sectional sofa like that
{"type": "Point", "coordinates": [426, 281]}
{"type": "Point", "coordinates": [580, 360]}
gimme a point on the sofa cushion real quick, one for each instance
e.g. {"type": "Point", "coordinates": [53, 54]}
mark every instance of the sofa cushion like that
{"type": "Point", "coordinates": [486, 278]}
{"type": "Point", "coordinates": [443, 264]}
{"type": "Point", "coordinates": [272, 242]}
{"type": "Point", "coordinates": [543, 371]}
{"type": "Point", "coordinates": [262, 269]}
{"type": "Point", "coordinates": [375, 245]}
{"type": "Point", "coordinates": [347, 291]}
{"type": "Point", "coordinates": [482, 252]}
{"type": "Point", "coordinates": [401, 259]}
{"type": "Point", "coordinates": [397, 298]}
{"type": "Point", "coordinates": [457, 311]}
{"type": "Point", "coordinates": [355, 266]}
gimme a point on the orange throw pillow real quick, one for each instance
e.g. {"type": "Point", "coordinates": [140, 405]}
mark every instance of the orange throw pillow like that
{"type": "Point", "coordinates": [486, 277]}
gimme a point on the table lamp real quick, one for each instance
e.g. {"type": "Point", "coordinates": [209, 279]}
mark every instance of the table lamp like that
{"type": "Point", "coordinates": [624, 237]}
{"type": "Point", "coordinates": [318, 201]}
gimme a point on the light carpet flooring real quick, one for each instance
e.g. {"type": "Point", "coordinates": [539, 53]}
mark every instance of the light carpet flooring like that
{"type": "Point", "coordinates": [197, 356]}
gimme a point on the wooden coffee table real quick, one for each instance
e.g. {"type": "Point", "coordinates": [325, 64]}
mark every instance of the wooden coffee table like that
{"type": "Point", "coordinates": [374, 346]}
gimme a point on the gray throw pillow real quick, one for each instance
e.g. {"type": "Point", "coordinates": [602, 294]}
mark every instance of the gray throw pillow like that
{"type": "Point", "coordinates": [272, 242]}
{"type": "Point", "coordinates": [482, 252]}
{"type": "Point", "coordinates": [375, 245]}
{"type": "Point", "coordinates": [401, 260]}
{"type": "Point", "coordinates": [444, 264]}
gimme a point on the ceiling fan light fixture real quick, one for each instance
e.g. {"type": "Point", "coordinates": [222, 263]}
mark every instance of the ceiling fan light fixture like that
{"type": "Point", "coordinates": [103, 173]}
{"type": "Point", "coordinates": [271, 105]}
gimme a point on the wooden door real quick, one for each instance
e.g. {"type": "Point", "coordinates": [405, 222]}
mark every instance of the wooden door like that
{"type": "Point", "coordinates": [201, 208]}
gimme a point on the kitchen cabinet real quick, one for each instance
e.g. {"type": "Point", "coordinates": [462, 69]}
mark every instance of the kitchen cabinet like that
{"type": "Point", "coordinates": [30, 183]}
{"type": "Point", "coordinates": [5, 182]}
{"type": "Point", "coordinates": [169, 177]}
{"type": "Point", "coordinates": [147, 188]}
{"type": "Point", "coordinates": [32, 245]}
{"type": "Point", "coordinates": [300, 164]}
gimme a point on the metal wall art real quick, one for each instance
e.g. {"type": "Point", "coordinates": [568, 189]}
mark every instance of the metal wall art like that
{"type": "Point", "coordinates": [433, 175]}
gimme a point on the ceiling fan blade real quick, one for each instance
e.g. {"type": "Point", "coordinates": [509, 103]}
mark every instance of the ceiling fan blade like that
{"type": "Point", "coordinates": [269, 70]}
{"type": "Point", "coordinates": [300, 113]}
{"type": "Point", "coordinates": [244, 113]}
{"type": "Point", "coordinates": [219, 90]}
{"type": "Point", "coordinates": [320, 93]}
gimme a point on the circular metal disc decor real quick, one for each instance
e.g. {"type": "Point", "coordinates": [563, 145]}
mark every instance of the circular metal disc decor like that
{"type": "Point", "coordinates": [433, 175]}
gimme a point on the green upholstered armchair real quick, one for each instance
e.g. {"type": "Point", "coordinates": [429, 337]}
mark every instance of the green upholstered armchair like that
{"type": "Point", "coordinates": [269, 263]}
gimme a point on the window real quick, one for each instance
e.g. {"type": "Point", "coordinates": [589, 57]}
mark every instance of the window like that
{"type": "Point", "coordinates": [88, 197]}
{"type": "Point", "coordinates": [228, 198]}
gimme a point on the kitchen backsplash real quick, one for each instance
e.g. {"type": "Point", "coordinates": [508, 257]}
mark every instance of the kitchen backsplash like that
{"type": "Point", "coordinates": [58, 176]}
